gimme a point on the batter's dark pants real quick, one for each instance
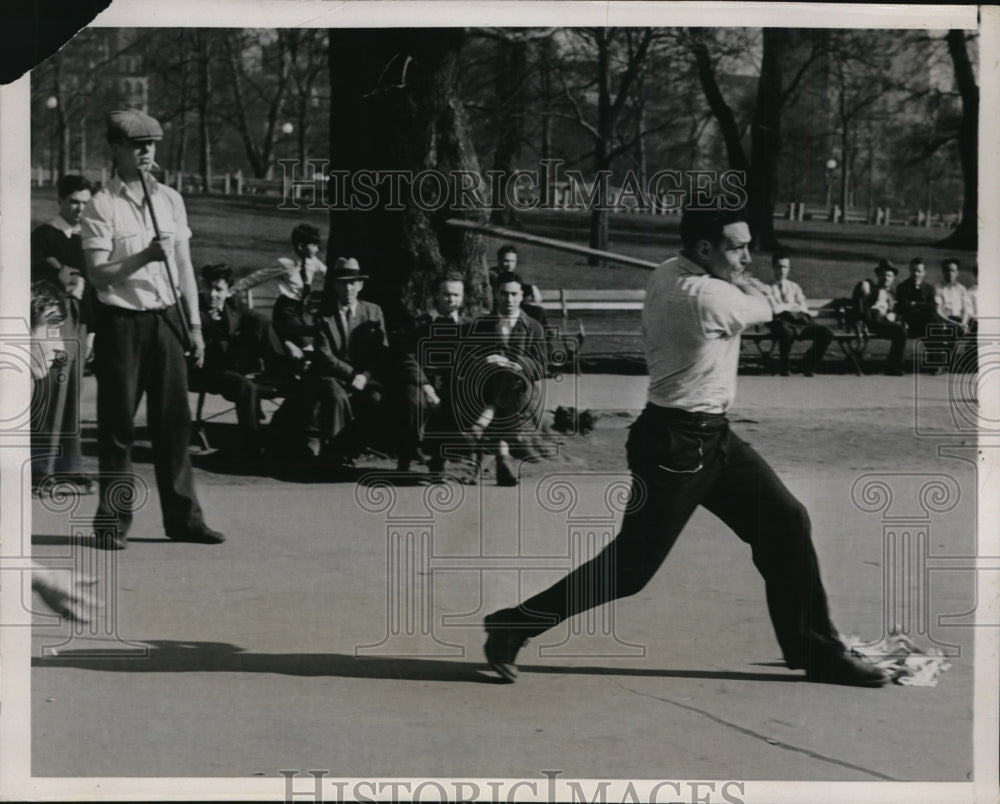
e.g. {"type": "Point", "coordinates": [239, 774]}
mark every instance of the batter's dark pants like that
{"type": "Point", "coordinates": [138, 353]}
{"type": "Point", "coordinates": [679, 461]}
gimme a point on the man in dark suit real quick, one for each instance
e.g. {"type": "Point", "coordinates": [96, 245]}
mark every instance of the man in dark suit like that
{"type": "Point", "coordinates": [343, 383]}
{"type": "Point", "coordinates": [429, 376]}
{"type": "Point", "coordinates": [500, 370]}
{"type": "Point", "coordinates": [238, 343]}
{"type": "Point", "coordinates": [915, 303]}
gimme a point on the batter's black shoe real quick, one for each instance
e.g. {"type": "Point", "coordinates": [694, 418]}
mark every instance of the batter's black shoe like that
{"type": "Point", "coordinates": [502, 644]}
{"type": "Point", "coordinates": [202, 534]}
{"type": "Point", "coordinates": [842, 668]}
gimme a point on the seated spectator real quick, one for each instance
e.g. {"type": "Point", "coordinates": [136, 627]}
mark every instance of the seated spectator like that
{"type": "Point", "coordinates": [242, 354]}
{"type": "Point", "coordinates": [507, 356]}
{"type": "Point", "coordinates": [299, 280]}
{"type": "Point", "coordinates": [57, 256]}
{"type": "Point", "coordinates": [342, 389]}
{"type": "Point", "coordinates": [953, 305]}
{"type": "Point", "coordinates": [795, 323]}
{"type": "Point", "coordinates": [874, 305]}
{"type": "Point", "coordinates": [955, 310]}
{"type": "Point", "coordinates": [507, 258]}
{"type": "Point", "coordinates": [915, 302]}
{"type": "Point", "coordinates": [432, 353]}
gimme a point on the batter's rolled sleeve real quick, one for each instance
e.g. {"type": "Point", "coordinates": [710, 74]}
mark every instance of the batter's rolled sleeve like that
{"type": "Point", "coordinates": [97, 227]}
{"type": "Point", "coordinates": [724, 309]}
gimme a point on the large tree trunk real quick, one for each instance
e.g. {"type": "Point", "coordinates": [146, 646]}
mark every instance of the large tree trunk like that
{"type": "Point", "coordinates": [545, 57]}
{"type": "Point", "coordinates": [720, 109]}
{"type": "Point", "coordinates": [510, 86]}
{"type": "Point", "coordinates": [395, 107]}
{"type": "Point", "coordinates": [766, 139]}
{"type": "Point", "coordinates": [599, 216]}
{"type": "Point", "coordinates": [967, 234]}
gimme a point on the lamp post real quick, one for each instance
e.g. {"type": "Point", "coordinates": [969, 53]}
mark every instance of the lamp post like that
{"type": "Point", "coordinates": [831, 165]}
{"type": "Point", "coordinates": [51, 103]}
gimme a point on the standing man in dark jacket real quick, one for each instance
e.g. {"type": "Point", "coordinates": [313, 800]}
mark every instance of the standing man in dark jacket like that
{"type": "Point", "coordinates": [57, 256]}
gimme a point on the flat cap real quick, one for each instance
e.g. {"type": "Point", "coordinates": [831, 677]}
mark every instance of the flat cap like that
{"type": "Point", "coordinates": [131, 124]}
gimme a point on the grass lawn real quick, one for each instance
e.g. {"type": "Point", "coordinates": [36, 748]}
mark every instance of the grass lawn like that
{"type": "Point", "coordinates": [249, 232]}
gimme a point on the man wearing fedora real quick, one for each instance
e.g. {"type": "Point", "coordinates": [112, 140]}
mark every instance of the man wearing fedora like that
{"type": "Point", "coordinates": [141, 279]}
{"type": "Point", "coordinates": [875, 306]}
{"type": "Point", "coordinates": [344, 379]}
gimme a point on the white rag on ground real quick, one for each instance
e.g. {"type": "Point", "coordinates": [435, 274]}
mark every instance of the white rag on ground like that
{"type": "Point", "coordinates": [908, 664]}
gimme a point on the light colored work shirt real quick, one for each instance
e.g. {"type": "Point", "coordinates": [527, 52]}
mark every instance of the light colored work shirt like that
{"type": "Point", "coordinates": [785, 291]}
{"type": "Point", "coordinates": [953, 301]}
{"type": "Point", "coordinates": [691, 325]}
{"type": "Point", "coordinates": [118, 222]}
{"type": "Point", "coordinates": [289, 277]}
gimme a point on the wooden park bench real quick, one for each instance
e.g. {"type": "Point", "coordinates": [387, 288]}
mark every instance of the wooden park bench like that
{"type": "Point", "coordinates": [851, 336]}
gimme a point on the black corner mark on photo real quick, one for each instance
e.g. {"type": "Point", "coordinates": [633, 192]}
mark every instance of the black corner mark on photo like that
{"type": "Point", "coordinates": [33, 30]}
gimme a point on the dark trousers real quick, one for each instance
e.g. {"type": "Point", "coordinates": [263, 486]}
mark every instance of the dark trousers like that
{"type": "Point", "coordinates": [242, 392]}
{"type": "Point", "coordinates": [786, 334]}
{"type": "Point", "coordinates": [55, 409]}
{"type": "Point", "coordinates": [288, 318]}
{"type": "Point", "coordinates": [679, 461]}
{"type": "Point", "coordinates": [896, 333]}
{"type": "Point", "coordinates": [138, 353]}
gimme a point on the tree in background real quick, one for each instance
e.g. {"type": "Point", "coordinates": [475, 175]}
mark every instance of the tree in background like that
{"type": "Point", "coordinates": [395, 106]}
{"type": "Point", "coordinates": [967, 234]}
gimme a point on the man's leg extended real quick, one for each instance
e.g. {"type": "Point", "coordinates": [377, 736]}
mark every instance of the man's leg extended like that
{"type": "Point", "coordinates": [674, 465]}
{"type": "Point", "coordinates": [751, 499]}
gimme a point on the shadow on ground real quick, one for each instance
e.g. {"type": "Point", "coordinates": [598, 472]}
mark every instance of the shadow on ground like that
{"type": "Point", "coordinates": [170, 656]}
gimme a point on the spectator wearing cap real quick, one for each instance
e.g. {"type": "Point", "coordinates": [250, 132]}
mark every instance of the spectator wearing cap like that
{"type": "Point", "coordinates": [344, 381]}
{"type": "Point", "coordinates": [242, 354]}
{"type": "Point", "coordinates": [57, 256]}
{"type": "Point", "coordinates": [875, 305]}
{"type": "Point", "coordinates": [141, 280]}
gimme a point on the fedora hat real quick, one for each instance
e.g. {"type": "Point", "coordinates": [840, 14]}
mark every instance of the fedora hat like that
{"type": "Point", "coordinates": [346, 269]}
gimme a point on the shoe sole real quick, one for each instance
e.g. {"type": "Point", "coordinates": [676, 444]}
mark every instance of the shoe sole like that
{"type": "Point", "coordinates": [506, 671]}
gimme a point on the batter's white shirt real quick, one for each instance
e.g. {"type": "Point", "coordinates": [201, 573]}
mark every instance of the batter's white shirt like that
{"type": "Point", "coordinates": [118, 222]}
{"type": "Point", "coordinates": [691, 325]}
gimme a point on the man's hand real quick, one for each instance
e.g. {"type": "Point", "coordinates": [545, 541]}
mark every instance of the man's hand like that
{"type": "Point", "coordinates": [503, 362]}
{"type": "Point", "coordinates": [69, 597]}
{"type": "Point", "coordinates": [67, 273]}
{"type": "Point", "coordinates": [198, 341]}
{"type": "Point", "coordinates": [358, 382]}
{"type": "Point", "coordinates": [293, 350]}
{"type": "Point", "coordinates": [155, 252]}
{"type": "Point", "coordinates": [430, 396]}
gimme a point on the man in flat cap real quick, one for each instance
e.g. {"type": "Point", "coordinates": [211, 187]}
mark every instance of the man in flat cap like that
{"type": "Point", "coordinates": [141, 280]}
